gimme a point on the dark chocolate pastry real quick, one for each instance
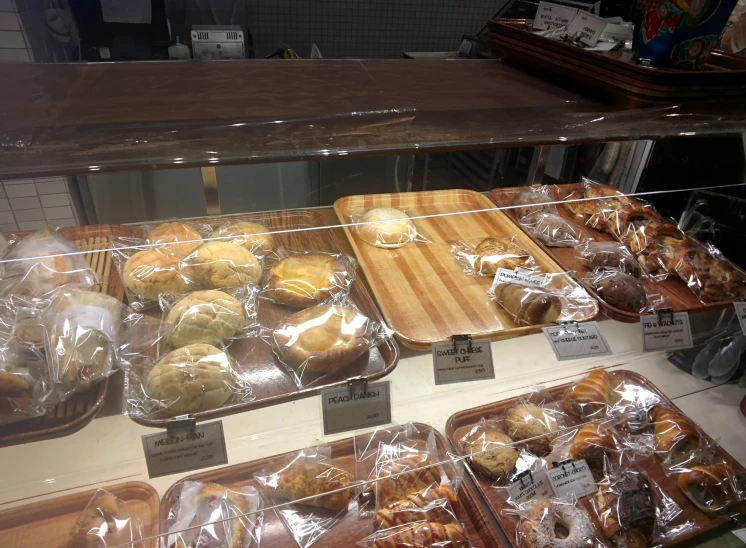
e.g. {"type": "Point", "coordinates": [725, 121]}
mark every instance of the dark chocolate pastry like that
{"type": "Point", "coordinates": [622, 291]}
{"type": "Point", "coordinates": [612, 255]}
{"type": "Point", "coordinates": [627, 510]}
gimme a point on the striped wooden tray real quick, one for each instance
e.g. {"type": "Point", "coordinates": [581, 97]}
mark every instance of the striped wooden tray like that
{"type": "Point", "coordinates": [73, 414]}
{"type": "Point", "coordinates": [421, 289]}
{"type": "Point", "coordinates": [48, 523]}
{"type": "Point", "coordinates": [350, 528]}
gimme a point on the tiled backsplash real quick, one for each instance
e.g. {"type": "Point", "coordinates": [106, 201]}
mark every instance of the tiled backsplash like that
{"type": "Point", "coordinates": [30, 204]}
{"type": "Point", "coordinates": [13, 44]}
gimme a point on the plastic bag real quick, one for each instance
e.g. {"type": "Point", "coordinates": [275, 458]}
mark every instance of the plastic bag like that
{"type": "Point", "coordinates": [623, 291]}
{"type": "Point", "coordinates": [549, 298]}
{"type": "Point", "coordinates": [43, 261]}
{"type": "Point", "coordinates": [206, 505]}
{"type": "Point", "coordinates": [676, 440]}
{"type": "Point", "coordinates": [535, 199]}
{"type": "Point", "coordinates": [484, 256]}
{"type": "Point", "coordinates": [386, 227]}
{"type": "Point", "coordinates": [648, 241]}
{"type": "Point", "coordinates": [595, 254]}
{"type": "Point", "coordinates": [540, 520]}
{"type": "Point", "coordinates": [493, 452]}
{"type": "Point", "coordinates": [421, 534]}
{"type": "Point", "coordinates": [551, 229]}
{"type": "Point", "coordinates": [83, 333]}
{"type": "Point", "coordinates": [148, 272]}
{"type": "Point", "coordinates": [534, 421]}
{"type": "Point", "coordinates": [712, 487]}
{"type": "Point", "coordinates": [255, 237]}
{"type": "Point", "coordinates": [629, 217]}
{"type": "Point", "coordinates": [597, 442]}
{"type": "Point", "coordinates": [307, 478]}
{"type": "Point", "coordinates": [589, 397]}
{"type": "Point", "coordinates": [303, 279]}
{"type": "Point", "coordinates": [175, 237]}
{"type": "Point", "coordinates": [211, 316]}
{"type": "Point", "coordinates": [220, 264]}
{"type": "Point", "coordinates": [322, 340]}
{"type": "Point", "coordinates": [436, 502]}
{"type": "Point", "coordinates": [604, 201]}
{"type": "Point", "coordinates": [631, 402]}
{"type": "Point", "coordinates": [106, 521]}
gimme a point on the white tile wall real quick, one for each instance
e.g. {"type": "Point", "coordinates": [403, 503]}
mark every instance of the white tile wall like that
{"type": "Point", "coordinates": [7, 5]}
{"type": "Point", "coordinates": [12, 39]}
{"type": "Point", "coordinates": [9, 21]}
{"type": "Point", "coordinates": [14, 44]}
{"type": "Point", "coordinates": [35, 203]}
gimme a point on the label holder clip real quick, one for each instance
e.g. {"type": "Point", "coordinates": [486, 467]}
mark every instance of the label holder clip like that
{"type": "Point", "coordinates": [664, 313]}
{"type": "Point", "coordinates": [563, 463]}
{"type": "Point", "coordinates": [461, 338]}
{"type": "Point", "coordinates": [522, 478]}
{"type": "Point", "coordinates": [180, 424]}
{"type": "Point", "coordinates": [357, 386]}
{"type": "Point", "coordinates": [568, 326]}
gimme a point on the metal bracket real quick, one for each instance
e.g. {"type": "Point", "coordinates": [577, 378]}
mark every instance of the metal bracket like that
{"type": "Point", "coordinates": [569, 325]}
{"type": "Point", "coordinates": [563, 463]}
{"type": "Point", "coordinates": [522, 476]}
{"type": "Point", "coordinates": [665, 312]}
{"type": "Point", "coordinates": [180, 424]}
{"type": "Point", "coordinates": [738, 519]}
{"type": "Point", "coordinates": [461, 338]}
{"type": "Point", "coordinates": [357, 386]}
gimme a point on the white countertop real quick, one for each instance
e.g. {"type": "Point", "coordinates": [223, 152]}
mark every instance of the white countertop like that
{"type": "Point", "coordinates": [109, 449]}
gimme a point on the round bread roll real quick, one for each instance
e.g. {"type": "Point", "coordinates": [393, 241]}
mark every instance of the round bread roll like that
{"type": "Point", "coordinates": [252, 236]}
{"type": "Point", "coordinates": [149, 273]}
{"type": "Point", "coordinates": [190, 379]}
{"type": "Point", "coordinates": [305, 279]}
{"type": "Point", "coordinates": [223, 264]}
{"type": "Point", "coordinates": [387, 227]}
{"type": "Point", "coordinates": [11, 384]}
{"type": "Point", "coordinates": [173, 232]}
{"type": "Point", "coordinates": [525, 421]}
{"type": "Point", "coordinates": [321, 339]}
{"type": "Point", "coordinates": [496, 463]}
{"type": "Point", "coordinates": [208, 317]}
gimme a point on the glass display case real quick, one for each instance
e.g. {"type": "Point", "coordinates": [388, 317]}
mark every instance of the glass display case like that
{"type": "Point", "coordinates": [395, 304]}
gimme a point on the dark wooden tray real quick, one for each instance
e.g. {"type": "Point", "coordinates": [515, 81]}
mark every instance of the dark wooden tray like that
{"type": "Point", "coordinates": [270, 381]}
{"type": "Point", "coordinates": [73, 414]}
{"type": "Point", "coordinates": [350, 528]}
{"type": "Point", "coordinates": [460, 424]}
{"type": "Point", "coordinates": [678, 295]}
{"type": "Point", "coordinates": [48, 523]}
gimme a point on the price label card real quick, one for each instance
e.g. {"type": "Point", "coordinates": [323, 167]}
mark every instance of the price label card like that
{"type": "Point", "coordinates": [531, 486]}
{"type": "Point", "coordinates": [666, 332]}
{"type": "Point", "coordinates": [572, 479]}
{"type": "Point", "coordinates": [587, 28]}
{"type": "Point", "coordinates": [741, 315]}
{"type": "Point", "coordinates": [520, 276]}
{"type": "Point", "coordinates": [185, 450]}
{"type": "Point", "coordinates": [551, 16]}
{"type": "Point", "coordinates": [463, 362]}
{"type": "Point", "coordinates": [576, 340]}
{"type": "Point", "coordinates": [346, 409]}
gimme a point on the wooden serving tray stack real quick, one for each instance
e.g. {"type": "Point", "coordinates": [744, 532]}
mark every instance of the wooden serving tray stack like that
{"type": "Point", "coordinates": [269, 380]}
{"type": "Point", "coordinates": [421, 289]}
{"type": "Point", "coordinates": [616, 76]}
{"type": "Point", "coordinates": [74, 413]}
{"type": "Point", "coordinates": [350, 528]}
{"type": "Point", "coordinates": [678, 296]}
{"type": "Point", "coordinates": [461, 423]}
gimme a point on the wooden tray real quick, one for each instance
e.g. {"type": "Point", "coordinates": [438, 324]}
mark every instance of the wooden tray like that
{"type": "Point", "coordinates": [460, 424]}
{"type": "Point", "coordinates": [73, 414]}
{"type": "Point", "coordinates": [268, 378]}
{"type": "Point", "coordinates": [678, 295]}
{"type": "Point", "coordinates": [350, 528]}
{"type": "Point", "coordinates": [48, 523]}
{"type": "Point", "coordinates": [421, 289]}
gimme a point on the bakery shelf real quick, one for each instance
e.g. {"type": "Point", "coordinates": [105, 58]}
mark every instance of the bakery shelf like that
{"type": "Point", "coordinates": [68, 118]}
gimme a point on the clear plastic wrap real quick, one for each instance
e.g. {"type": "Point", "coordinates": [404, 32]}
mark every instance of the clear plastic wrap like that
{"type": "Point", "coordinates": [41, 262]}
{"type": "Point", "coordinates": [595, 254]}
{"type": "Point", "coordinates": [589, 398]}
{"type": "Point", "coordinates": [436, 502]}
{"type": "Point", "coordinates": [542, 521]}
{"type": "Point", "coordinates": [420, 534]}
{"type": "Point", "coordinates": [713, 487]}
{"type": "Point", "coordinates": [148, 272]}
{"type": "Point", "coordinates": [255, 237]}
{"type": "Point", "coordinates": [175, 237]}
{"type": "Point", "coordinates": [534, 421]}
{"type": "Point", "coordinates": [630, 217]}
{"type": "Point", "coordinates": [308, 475]}
{"type": "Point", "coordinates": [631, 402]}
{"type": "Point", "coordinates": [493, 453]}
{"type": "Point", "coordinates": [303, 279]}
{"type": "Point", "coordinates": [550, 298]}
{"type": "Point", "coordinates": [551, 229]}
{"type": "Point", "coordinates": [646, 242]}
{"type": "Point", "coordinates": [597, 442]}
{"type": "Point", "coordinates": [220, 264]}
{"type": "Point", "coordinates": [675, 439]}
{"type": "Point", "coordinates": [206, 505]}
{"type": "Point", "coordinates": [484, 256]}
{"type": "Point", "coordinates": [386, 227]}
{"type": "Point", "coordinates": [324, 339]}
{"type": "Point", "coordinates": [211, 316]}
{"type": "Point", "coordinates": [601, 203]}
{"type": "Point", "coordinates": [534, 199]}
{"type": "Point", "coordinates": [623, 291]}
{"type": "Point", "coordinates": [106, 521]}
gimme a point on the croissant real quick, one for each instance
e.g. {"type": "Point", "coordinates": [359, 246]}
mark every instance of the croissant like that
{"type": "Point", "coordinates": [627, 511]}
{"type": "Point", "coordinates": [425, 535]}
{"type": "Point", "coordinates": [590, 396]}
{"type": "Point", "coordinates": [406, 511]}
{"type": "Point", "coordinates": [709, 487]}
{"type": "Point", "coordinates": [300, 480]}
{"type": "Point", "coordinates": [673, 433]}
{"type": "Point", "coordinates": [529, 305]}
{"type": "Point", "coordinates": [398, 485]}
{"type": "Point", "coordinates": [592, 443]}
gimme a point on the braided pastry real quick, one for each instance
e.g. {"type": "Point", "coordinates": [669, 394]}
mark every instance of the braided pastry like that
{"type": "Point", "coordinates": [592, 443]}
{"type": "Point", "coordinates": [709, 487]}
{"type": "Point", "coordinates": [674, 435]}
{"type": "Point", "coordinates": [425, 535]}
{"type": "Point", "coordinates": [590, 396]}
{"type": "Point", "coordinates": [409, 510]}
{"type": "Point", "coordinates": [646, 241]}
{"type": "Point", "coordinates": [395, 487]}
{"type": "Point", "coordinates": [529, 305]}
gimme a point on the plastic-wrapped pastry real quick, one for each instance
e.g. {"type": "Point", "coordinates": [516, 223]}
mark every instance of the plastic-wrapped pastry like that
{"type": "Point", "coordinates": [589, 397]}
{"type": "Point", "coordinates": [620, 290]}
{"type": "Point", "coordinates": [533, 200]}
{"type": "Point", "coordinates": [529, 305]}
{"type": "Point", "coordinates": [253, 236]}
{"type": "Point", "coordinates": [82, 329]}
{"type": "Point", "coordinates": [551, 229]}
{"type": "Point", "coordinates": [674, 435]}
{"type": "Point", "coordinates": [593, 442]}
{"type": "Point", "coordinates": [209, 317]}
{"type": "Point", "coordinates": [106, 521]}
{"type": "Point", "coordinates": [175, 238]}
{"type": "Point", "coordinates": [423, 534]}
{"type": "Point", "coordinates": [627, 510]}
{"type": "Point", "coordinates": [420, 506]}
{"type": "Point", "coordinates": [526, 421]}
{"type": "Point", "coordinates": [306, 279]}
{"type": "Point", "coordinates": [710, 487]}
{"type": "Point", "coordinates": [608, 255]}
{"type": "Point", "coordinates": [496, 455]}
{"type": "Point", "coordinates": [540, 528]}
{"type": "Point", "coordinates": [396, 481]}
{"type": "Point", "coordinates": [302, 479]}
{"type": "Point", "coordinates": [386, 227]}
{"type": "Point", "coordinates": [149, 273]}
{"type": "Point", "coordinates": [218, 264]}
{"type": "Point", "coordinates": [23, 388]}
{"type": "Point", "coordinates": [494, 253]}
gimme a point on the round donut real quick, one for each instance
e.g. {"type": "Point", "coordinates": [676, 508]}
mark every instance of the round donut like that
{"type": "Point", "coordinates": [539, 528]}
